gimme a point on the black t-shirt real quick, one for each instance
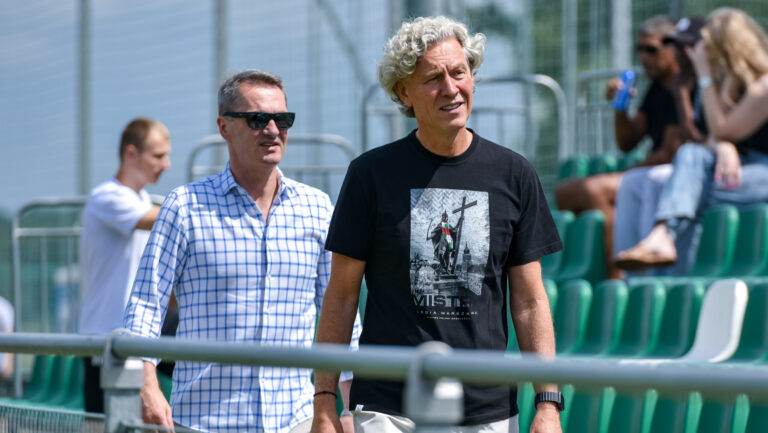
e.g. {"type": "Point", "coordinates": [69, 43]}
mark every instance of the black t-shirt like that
{"type": "Point", "coordinates": [660, 112]}
{"type": "Point", "coordinates": [438, 234]}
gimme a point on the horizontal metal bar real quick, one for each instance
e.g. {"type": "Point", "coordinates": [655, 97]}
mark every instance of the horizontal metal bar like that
{"type": "Point", "coordinates": [392, 363]}
{"type": "Point", "coordinates": [47, 231]}
{"type": "Point", "coordinates": [373, 362]}
{"type": "Point", "coordinates": [53, 344]}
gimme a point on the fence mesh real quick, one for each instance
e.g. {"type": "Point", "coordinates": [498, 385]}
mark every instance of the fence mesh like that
{"type": "Point", "coordinates": [27, 419]}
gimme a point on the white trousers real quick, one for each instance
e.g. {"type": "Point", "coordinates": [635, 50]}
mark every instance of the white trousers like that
{"type": "Point", "coordinates": [376, 422]}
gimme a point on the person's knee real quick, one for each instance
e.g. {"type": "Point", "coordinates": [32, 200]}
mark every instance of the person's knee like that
{"type": "Point", "coordinates": [692, 153]}
{"type": "Point", "coordinates": [570, 195]}
{"type": "Point", "coordinates": [600, 190]}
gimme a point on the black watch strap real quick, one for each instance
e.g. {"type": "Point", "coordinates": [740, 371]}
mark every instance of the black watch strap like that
{"type": "Point", "coordinates": [553, 397]}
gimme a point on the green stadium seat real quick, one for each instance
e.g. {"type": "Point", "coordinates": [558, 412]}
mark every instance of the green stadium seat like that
{"type": "Point", "coordinates": [630, 159]}
{"type": "Point", "coordinates": [58, 389]}
{"type": "Point", "coordinates": [585, 411]}
{"type": "Point", "coordinates": [609, 304]}
{"type": "Point", "coordinates": [570, 318]}
{"type": "Point", "coordinates": [584, 255]}
{"type": "Point", "coordinates": [756, 419]}
{"type": "Point", "coordinates": [75, 397]}
{"type": "Point", "coordinates": [753, 344]}
{"type": "Point", "coordinates": [718, 240]}
{"type": "Point", "coordinates": [551, 289]}
{"type": "Point", "coordinates": [166, 385]}
{"type": "Point", "coordinates": [604, 163]}
{"type": "Point", "coordinates": [42, 371]}
{"type": "Point", "coordinates": [679, 320]}
{"type": "Point", "coordinates": [631, 412]}
{"type": "Point", "coordinates": [640, 328]}
{"type": "Point", "coordinates": [551, 264]}
{"type": "Point", "coordinates": [573, 167]}
{"type": "Point", "coordinates": [750, 256]}
{"type": "Point", "coordinates": [525, 396]}
{"type": "Point", "coordinates": [669, 414]}
{"type": "Point", "coordinates": [721, 415]}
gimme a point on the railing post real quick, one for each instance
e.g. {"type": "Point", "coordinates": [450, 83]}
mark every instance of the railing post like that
{"type": "Point", "coordinates": [432, 405]}
{"type": "Point", "coordinates": [121, 380]}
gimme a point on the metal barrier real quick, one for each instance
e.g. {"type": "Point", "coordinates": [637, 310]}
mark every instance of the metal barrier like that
{"type": "Point", "coordinates": [53, 227]}
{"type": "Point", "coordinates": [544, 159]}
{"type": "Point", "coordinates": [310, 172]}
{"type": "Point", "coordinates": [424, 368]}
{"type": "Point", "coordinates": [391, 111]}
{"type": "Point", "coordinates": [594, 114]}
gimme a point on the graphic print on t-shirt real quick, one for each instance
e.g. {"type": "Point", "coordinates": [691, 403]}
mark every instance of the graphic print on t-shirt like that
{"type": "Point", "coordinates": [450, 240]}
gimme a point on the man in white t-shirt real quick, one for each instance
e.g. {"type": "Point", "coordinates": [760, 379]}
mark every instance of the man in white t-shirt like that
{"type": "Point", "coordinates": [116, 223]}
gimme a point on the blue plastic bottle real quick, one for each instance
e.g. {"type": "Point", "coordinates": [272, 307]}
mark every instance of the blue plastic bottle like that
{"type": "Point", "coordinates": [621, 100]}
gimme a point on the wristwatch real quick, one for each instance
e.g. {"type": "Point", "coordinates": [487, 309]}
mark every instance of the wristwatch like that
{"type": "Point", "coordinates": [553, 397]}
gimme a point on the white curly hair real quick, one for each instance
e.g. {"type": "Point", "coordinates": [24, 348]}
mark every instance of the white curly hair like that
{"type": "Point", "coordinates": [411, 41]}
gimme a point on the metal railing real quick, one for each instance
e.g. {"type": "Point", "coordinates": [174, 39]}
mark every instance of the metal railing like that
{"type": "Point", "coordinates": [425, 368]}
{"type": "Point", "coordinates": [525, 110]}
{"type": "Point", "coordinates": [593, 116]}
{"type": "Point", "coordinates": [216, 145]}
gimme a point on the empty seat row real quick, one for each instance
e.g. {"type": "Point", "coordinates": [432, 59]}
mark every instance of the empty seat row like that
{"type": "Point", "coordinates": [580, 165]}
{"type": "Point", "coordinates": [606, 410]}
{"type": "Point", "coordinates": [726, 322]}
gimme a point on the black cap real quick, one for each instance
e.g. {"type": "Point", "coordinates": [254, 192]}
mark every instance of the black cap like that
{"type": "Point", "coordinates": [687, 31]}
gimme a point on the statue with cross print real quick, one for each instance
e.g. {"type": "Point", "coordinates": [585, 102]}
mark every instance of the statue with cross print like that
{"type": "Point", "coordinates": [446, 239]}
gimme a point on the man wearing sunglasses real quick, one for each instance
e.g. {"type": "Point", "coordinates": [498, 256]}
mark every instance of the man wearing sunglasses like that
{"type": "Point", "coordinates": [243, 251]}
{"type": "Point", "coordinates": [657, 118]}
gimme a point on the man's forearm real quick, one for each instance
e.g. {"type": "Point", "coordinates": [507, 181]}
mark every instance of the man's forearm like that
{"type": "Point", "coordinates": [627, 134]}
{"type": "Point", "coordinates": [536, 334]}
{"type": "Point", "coordinates": [336, 321]}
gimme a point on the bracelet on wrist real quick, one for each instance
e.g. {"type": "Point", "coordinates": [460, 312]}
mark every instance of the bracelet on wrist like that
{"type": "Point", "coordinates": [704, 82]}
{"type": "Point", "coordinates": [344, 413]}
{"type": "Point", "coordinates": [325, 392]}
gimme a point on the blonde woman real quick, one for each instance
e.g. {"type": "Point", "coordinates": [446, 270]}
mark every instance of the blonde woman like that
{"type": "Point", "coordinates": [731, 63]}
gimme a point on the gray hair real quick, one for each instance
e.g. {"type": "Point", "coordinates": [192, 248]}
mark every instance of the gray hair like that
{"type": "Point", "coordinates": [229, 95]}
{"type": "Point", "coordinates": [411, 41]}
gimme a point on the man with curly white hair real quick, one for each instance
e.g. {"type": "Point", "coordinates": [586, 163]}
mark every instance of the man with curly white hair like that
{"type": "Point", "coordinates": [439, 223]}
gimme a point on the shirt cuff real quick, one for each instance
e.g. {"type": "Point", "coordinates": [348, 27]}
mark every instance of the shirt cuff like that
{"type": "Point", "coordinates": [345, 376]}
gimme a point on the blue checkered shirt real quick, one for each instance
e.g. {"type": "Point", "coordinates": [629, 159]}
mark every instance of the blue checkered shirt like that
{"type": "Point", "coordinates": [237, 279]}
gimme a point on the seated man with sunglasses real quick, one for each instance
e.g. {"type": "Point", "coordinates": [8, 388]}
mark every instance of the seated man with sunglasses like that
{"type": "Point", "coordinates": [243, 251]}
{"type": "Point", "coordinates": [657, 118]}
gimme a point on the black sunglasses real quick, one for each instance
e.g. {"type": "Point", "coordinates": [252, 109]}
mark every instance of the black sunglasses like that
{"type": "Point", "coordinates": [648, 49]}
{"type": "Point", "coordinates": [259, 119]}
